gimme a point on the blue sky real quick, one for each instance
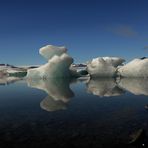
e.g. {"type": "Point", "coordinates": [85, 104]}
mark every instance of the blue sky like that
{"type": "Point", "coordinates": [88, 28]}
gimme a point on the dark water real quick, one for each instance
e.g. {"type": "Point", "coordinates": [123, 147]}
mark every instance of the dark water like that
{"type": "Point", "coordinates": [98, 113]}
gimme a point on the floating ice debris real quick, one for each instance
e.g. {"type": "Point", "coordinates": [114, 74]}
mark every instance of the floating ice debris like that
{"type": "Point", "coordinates": [135, 68]}
{"type": "Point", "coordinates": [104, 66]}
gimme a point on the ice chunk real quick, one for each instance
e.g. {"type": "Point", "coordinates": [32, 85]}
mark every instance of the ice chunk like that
{"type": "Point", "coordinates": [59, 64]}
{"type": "Point", "coordinates": [104, 87]}
{"type": "Point", "coordinates": [114, 61]}
{"type": "Point", "coordinates": [135, 68]}
{"type": "Point", "coordinates": [49, 51]}
{"type": "Point", "coordinates": [103, 67]}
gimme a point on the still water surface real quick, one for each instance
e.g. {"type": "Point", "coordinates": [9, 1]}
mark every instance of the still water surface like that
{"type": "Point", "coordinates": [75, 113]}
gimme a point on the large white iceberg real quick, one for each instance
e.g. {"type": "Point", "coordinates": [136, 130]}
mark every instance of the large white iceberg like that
{"type": "Point", "coordinates": [135, 68]}
{"type": "Point", "coordinates": [59, 64]}
{"type": "Point", "coordinates": [104, 66]}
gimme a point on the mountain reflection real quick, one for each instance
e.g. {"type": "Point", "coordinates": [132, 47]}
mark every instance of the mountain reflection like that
{"type": "Point", "coordinates": [104, 87]}
{"type": "Point", "coordinates": [58, 91]}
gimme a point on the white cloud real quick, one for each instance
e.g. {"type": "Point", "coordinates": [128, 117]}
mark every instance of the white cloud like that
{"type": "Point", "coordinates": [124, 30]}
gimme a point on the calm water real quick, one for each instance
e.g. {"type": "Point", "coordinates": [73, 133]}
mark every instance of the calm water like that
{"type": "Point", "coordinates": [98, 113]}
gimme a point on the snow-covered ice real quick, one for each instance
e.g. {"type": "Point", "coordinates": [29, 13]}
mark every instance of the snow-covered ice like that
{"type": "Point", "coordinates": [135, 68]}
{"type": "Point", "coordinates": [104, 66]}
{"type": "Point", "coordinates": [49, 51]}
{"type": "Point", "coordinates": [59, 63]}
{"type": "Point", "coordinates": [114, 61]}
{"type": "Point", "coordinates": [57, 66]}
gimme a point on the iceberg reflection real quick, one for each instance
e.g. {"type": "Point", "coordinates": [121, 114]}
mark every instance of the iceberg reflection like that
{"type": "Point", "coordinates": [58, 91]}
{"type": "Point", "coordinates": [104, 87]}
{"type": "Point", "coordinates": [8, 80]}
{"type": "Point", "coordinates": [137, 86]}
{"type": "Point", "coordinates": [49, 104]}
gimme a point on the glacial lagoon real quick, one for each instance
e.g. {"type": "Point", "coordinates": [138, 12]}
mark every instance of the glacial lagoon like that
{"type": "Point", "coordinates": [80, 112]}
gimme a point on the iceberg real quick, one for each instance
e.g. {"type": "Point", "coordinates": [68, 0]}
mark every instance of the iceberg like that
{"type": "Point", "coordinates": [135, 68]}
{"type": "Point", "coordinates": [104, 66]}
{"type": "Point", "coordinates": [59, 64]}
{"type": "Point", "coordinates": [114, 61]}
